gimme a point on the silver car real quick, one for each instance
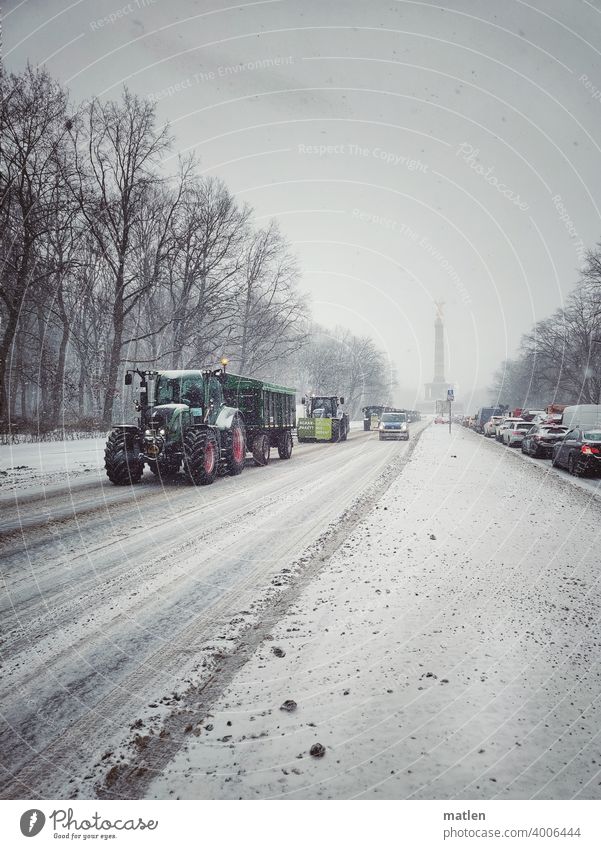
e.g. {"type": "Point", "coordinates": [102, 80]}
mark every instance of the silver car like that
{"type": "Point", "coordinates": [513, 435]}
{"type": "Point", "coordinates": [393, 426]}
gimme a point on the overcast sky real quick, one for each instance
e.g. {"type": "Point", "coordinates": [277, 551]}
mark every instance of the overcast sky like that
{"type": "Point", "coordinates": [412, 152]}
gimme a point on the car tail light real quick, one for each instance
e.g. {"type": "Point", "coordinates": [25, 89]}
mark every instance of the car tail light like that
{"type": "Point", "coordinates": [588, 449]}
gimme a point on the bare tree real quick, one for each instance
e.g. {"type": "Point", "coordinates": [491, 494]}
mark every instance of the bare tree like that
{"type": "Point", "coordinates": [118, 149]}
{"type": "Point", "coordinates": [33, 126]}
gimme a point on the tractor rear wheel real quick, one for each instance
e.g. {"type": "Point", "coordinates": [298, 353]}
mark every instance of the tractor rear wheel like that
{"type": "Point", "coordinates": [344, 430]}
{"type": "Point", "coordinates": [237, 449]}
{"type": "Point", "coordinates": [201, 457]}
{"type": "Point", "coordinates": [285, 445]}
{"type": "Point", "coordinates": [122, 467]}
{"type": "Point", "coordinates": [336, 430]}
{"type": "Point", "coordinates": [261, 450]}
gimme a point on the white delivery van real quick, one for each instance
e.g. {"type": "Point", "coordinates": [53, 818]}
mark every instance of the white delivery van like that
{"type": "Point", "coordinates": [582, 415]}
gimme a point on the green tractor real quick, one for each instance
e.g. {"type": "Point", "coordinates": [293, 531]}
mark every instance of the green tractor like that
{"type": "Point", "coordinates": [325, 420]}
{"type": "Point", "coordinates": [190, 419]}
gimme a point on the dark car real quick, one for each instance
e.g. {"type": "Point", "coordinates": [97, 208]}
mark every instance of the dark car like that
{"type": "Point", "coordinates": [579, 451]}
{"type": "Point", "coordinates": [540, 439]}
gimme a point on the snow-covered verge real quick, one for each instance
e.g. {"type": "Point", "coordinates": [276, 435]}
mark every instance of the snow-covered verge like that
{"type": "Point", "coordinates": [448, 650]}
{"type": "Point", "coordinates": [34, 466]}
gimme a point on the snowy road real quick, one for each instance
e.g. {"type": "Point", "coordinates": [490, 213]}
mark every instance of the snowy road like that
{"type": "Point", "coordinates": [432, 609]}
{"type": "Point", "coordinates": [117, 599]}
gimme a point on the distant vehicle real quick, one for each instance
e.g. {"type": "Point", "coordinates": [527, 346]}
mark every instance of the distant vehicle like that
{"type": "Point", "coordinates": [514, 435]}
{"type": "Point", "coordinates": [554, 413]}
{"type": "Point", "coordinates": [484, 414]}
{"type": "Point", "coordinates": [504, 425]}
{"type": "Point", "coordinates": [371, 416]}
{"type": "Point", "coordinates": [324, 420]}
{"type": "Point", "coordinates": [540, 439]}
{"type": "Point", "coordinates": [491, 424]}
{"type": "Point", "coordinates": [393, 425]}
{"type": "Point", "coordinates": [579, 451]}
{"type": "Point", "coordinates": [440, 420]}
{"type": "Point", "coordinates": [533, 415]}
{"type": "Point", "coordinates": [582, 415]}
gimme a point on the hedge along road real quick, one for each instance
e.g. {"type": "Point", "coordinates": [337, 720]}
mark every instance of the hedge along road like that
{"type": "Point", "coordinates": [112, 615]}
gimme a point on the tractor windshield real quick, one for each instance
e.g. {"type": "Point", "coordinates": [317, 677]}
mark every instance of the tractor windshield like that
{"type": "Point", "coordinates": [180, 390]}
{"type": "Point", "coordinates": [325, 406]}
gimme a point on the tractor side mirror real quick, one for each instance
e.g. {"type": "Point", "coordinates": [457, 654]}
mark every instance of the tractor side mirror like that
{"type": "Point", "coordinates": [342, 400]}
{"type": "Point", "coordinates": [128, 378]}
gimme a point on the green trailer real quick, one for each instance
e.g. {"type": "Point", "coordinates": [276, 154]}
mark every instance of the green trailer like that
{"type": "Point", "coordinates": [269, 413]}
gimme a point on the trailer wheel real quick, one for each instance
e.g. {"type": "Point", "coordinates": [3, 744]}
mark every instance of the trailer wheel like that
{"type": "Point", "coordinates": [121, 467]}
{"type": "Point", "coordinates": [261, 450]}
{"type": "Point", "coordinates": [366, 424]}
{"type": "Point", "coordinates": [236, 454]}
{"type": "Point", "coordinates": [285, 445]}
{"type": "Point", "coordinates": [201, 456]}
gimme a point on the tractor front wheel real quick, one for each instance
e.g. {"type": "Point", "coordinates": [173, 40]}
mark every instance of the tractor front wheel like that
{"type": "Point", "coordinates": [237, 450]}
{"type": "Point", "coordinates": [122, 466]}
{"type": "Point", "coordinates": [201, 457]}
{"type": "Point", "coordinates": [261, 450]}
{"type": "Point", "coordinates": [285, 445]}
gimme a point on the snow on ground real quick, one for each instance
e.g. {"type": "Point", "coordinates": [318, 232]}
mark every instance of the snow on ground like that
{"type": "Point", "coordinates": [450, 649]}
{"type": "Point", "coordinates": [31, 467]}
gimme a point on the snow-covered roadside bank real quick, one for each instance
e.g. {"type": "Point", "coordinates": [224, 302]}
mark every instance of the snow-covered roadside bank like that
{"type": "Point", "coordinates": [31, 468]}
{"type": "Point", "coordinates": [449, 650]}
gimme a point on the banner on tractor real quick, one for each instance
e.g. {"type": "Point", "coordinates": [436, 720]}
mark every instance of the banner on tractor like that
{"type": "Point", "coordinates": [320, 429]}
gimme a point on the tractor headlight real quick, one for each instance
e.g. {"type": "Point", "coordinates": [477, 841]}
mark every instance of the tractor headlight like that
{"type": "Point", "coordinates": [162, 432]}
{"type": "Point", "coordinates": [381, 427]}
{"type": "Point", "coordinates": [147, 433]}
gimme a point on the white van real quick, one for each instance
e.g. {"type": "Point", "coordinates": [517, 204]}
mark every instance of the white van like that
{"type": "Point", "coordinates": [583, 415]}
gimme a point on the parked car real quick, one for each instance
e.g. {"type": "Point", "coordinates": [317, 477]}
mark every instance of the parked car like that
{"type": "Point", "coordinates": [502, 426]}
{"type": "Point", "coordinates": [540, 439]}
{"type": "Point", "coordinates": [513, 435]}
{"type": "Point", "coordinates": [579, 451]}
{"type": "Point", "coordinates": [393, 426]}
{"type": "Point", "coordinates": [491, 425]}
{"type": "Point", "coordinates": [440, 420]}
